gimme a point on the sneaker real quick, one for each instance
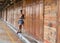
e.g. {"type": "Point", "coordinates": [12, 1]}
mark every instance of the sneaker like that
{"type": "Point", "coordinates": [19, 32]}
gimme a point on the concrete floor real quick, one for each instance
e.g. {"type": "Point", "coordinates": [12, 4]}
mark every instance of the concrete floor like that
{"type": "Point", "coordinates": [7, 35]}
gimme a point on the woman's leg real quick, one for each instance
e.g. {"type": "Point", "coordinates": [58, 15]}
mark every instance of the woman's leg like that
{"type": "Point", "coordinates": [20, 29]}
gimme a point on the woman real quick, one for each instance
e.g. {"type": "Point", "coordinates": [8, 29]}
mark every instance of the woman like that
{"type": "Point", "coordinates": [21, 22]}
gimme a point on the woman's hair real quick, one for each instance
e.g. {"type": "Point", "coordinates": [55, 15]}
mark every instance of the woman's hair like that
{"type": "Point", "coordinates": [22, 17]}
{"type": "Point", "coordinates": [21, 11]}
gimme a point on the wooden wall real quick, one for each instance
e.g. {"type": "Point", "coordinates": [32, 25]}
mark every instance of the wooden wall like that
{"type": "Point", "coordinates": [33, 11]}
{"type": "Point", "coordinates": [50, 21]}
{"type": "Point", "coordinates": [34, 18]}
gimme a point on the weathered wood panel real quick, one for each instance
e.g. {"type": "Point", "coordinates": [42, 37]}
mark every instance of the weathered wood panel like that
{"type": "Point", "coordinates": [50, 21]}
